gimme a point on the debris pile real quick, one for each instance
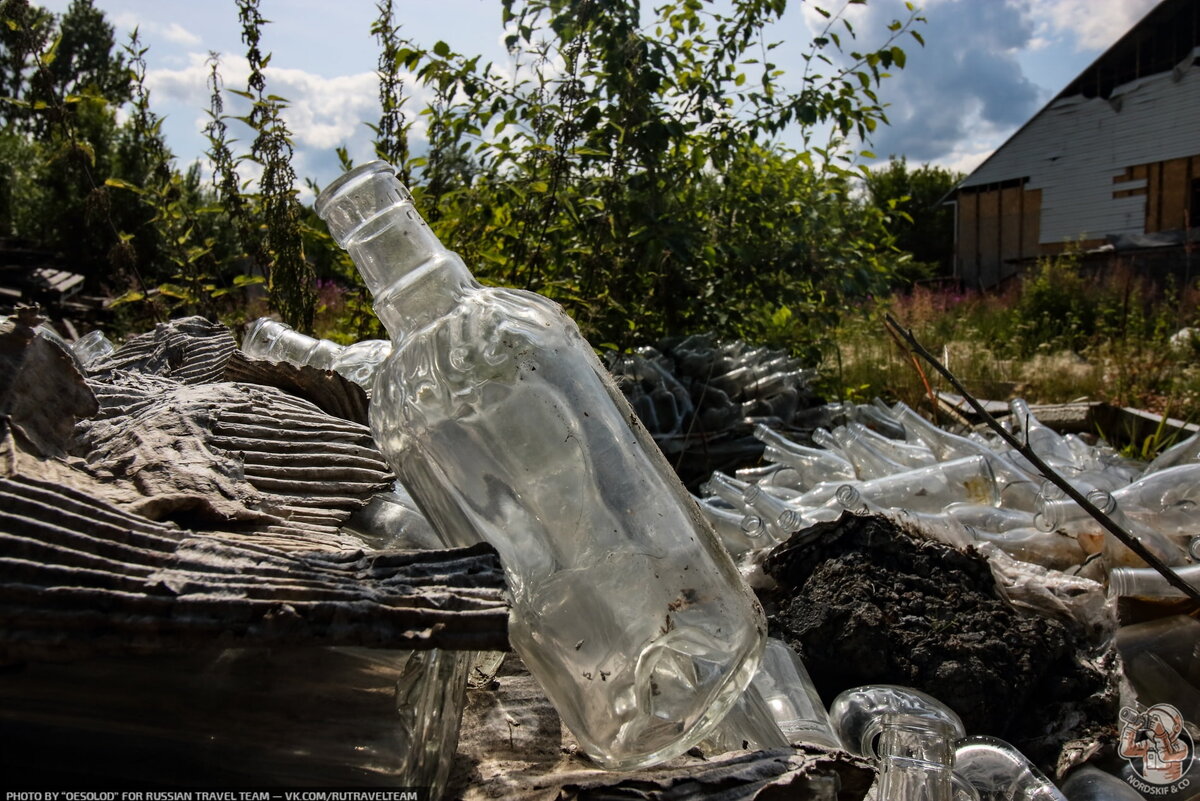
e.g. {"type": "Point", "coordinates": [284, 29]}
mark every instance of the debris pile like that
{"type": "Point", "coordinates": [903, 553]}
{"type": "Point", "coordinates": [184, 522]}
{"type": "Point", "coordinates": [700, 398]}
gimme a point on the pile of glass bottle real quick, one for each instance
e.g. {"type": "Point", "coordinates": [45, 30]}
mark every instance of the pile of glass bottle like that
{"type": "Point", "coordinates": [956, 489]}
{"type": "Point", "coordinates": [969, 490]}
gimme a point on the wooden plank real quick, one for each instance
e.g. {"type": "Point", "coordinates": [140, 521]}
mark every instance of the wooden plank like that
{"type": "Point", "coordinates": [1031, 222]}
{"type": "Point", "coordinates": [989, 238]}
{"type": "Point", "coordinates": [1012, 229]}
{"type": "Point", "coordinates": [968, 241]}
{"type": "Point", "coordinates": [1120, 425]}
{"type": "Point", "coordinates": [1175, 188]}
{"type": "Point", "coordinates": [1154, 199]}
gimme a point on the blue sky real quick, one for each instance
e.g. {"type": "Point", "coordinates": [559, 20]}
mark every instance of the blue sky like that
{"type": "Point", "coordinates": [988, 65]}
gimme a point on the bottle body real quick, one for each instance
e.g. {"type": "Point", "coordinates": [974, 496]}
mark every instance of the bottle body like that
{"type": "Point", "coordinates": [504, 426]}
{"type": "Point", "coordinates": [500, 421]}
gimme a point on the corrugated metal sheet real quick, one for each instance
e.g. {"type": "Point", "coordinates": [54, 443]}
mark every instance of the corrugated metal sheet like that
{"type": "Point", "coordinates": [1074, 148]}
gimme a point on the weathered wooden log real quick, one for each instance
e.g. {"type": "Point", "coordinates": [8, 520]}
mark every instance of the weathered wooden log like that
{"type": "Point", "coordinates": [79, 576]}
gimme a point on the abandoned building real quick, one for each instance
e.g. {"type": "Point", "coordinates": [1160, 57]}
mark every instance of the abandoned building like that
{"type": "Point", "coordinates": [1111, 164]}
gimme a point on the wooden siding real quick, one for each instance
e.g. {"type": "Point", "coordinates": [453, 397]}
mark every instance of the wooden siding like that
{"type": "Point", "coordinates": [1075, 148]}
{"type": "Point", "coordinates": [996, 228]}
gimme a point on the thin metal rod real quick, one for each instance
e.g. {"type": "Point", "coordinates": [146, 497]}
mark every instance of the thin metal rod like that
{"type": "Point", "coordinates": [1023, 448]}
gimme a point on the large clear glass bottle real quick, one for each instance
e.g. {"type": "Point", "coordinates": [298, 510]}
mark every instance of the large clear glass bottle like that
{"type": "Point", "coordinates": [505, 427]}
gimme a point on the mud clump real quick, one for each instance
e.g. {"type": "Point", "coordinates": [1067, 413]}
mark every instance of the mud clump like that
{"type": "Point", "coordinates": [865, 603]}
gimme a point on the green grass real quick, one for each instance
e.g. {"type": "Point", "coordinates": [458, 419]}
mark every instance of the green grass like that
{"type": "Point", "coordinates": [1057, 335]}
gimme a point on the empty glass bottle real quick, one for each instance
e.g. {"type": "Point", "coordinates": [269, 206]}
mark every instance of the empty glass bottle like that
{"type": "Point", "coordinates": [932, 488]}
{"type": "Point", "coordinates": [728, 489]}
{"type": "Point", "coordinates": [1146, 582]}
{"type": "Point", "coordinates": [430, 697]}
{"type": "Point", "coordinates": [857, 714]}
{"type": "Point", "coordinates": [748, 726]}
{"type": "Point", "coordinates": [271, 339]}
{"type": "Point", "coordinates": [728, 523]}
{"type": "Point", "coordinates": [278, 342]}
{"type": "Point", "coordinates": [1087, 783]}
{"type": "Point", "coordinates": [1045, 441]}
{"type": "Point", "coordinates": [916, 758]}
{"type": "Point", "coordinates": [869, 461]}
{"type": "Point", "coordinates": [790, 694]}
{"type": "Point", "coordinates": [998, 770]}
{"type": "Point", "coordinates": [935, 526]}
{"type": "Point", "coordinates": [91, 347]}
{"type": "Point", "coordinates": [1172, 488]}
{"type": "Point", "coordinates": [1185, 452]}
{"type": "Point", "coordinates": [1046, 548]}
{"type": "Point", "coordinates": [505, 427]}
{"type": "Point", "coordinates": [781, 519]}
{"type": "Point", "coordinates": [905, 453]}
{"type": "Point", "coordinates": [813, 465]}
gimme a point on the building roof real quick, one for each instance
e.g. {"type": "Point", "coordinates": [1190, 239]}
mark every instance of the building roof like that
{"type": "Point", "coordinates": [1166, 39]}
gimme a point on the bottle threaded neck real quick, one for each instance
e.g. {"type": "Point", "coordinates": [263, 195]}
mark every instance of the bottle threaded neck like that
{"type": "Point", "coordinates": [372, 215]}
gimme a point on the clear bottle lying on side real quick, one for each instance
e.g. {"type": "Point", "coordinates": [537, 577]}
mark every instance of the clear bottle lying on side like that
{"type": "Point", "coordinates": [278, 342]}
{"type": "Point", "coordinates": [998, 770]}
{"type": "Point", "coordinates": [505, 427]}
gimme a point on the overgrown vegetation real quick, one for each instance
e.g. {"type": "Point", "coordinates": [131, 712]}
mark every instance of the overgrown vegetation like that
{"type": "Point", "coordinates": [624, 162]}
{"type": "Point", "coordinates": [1061, 333]}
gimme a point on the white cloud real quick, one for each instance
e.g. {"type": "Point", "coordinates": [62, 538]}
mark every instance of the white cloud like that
{"type": "Point", "coordinates": [179, 35]}
{"type": "Point", "coordinates": [325, 112]}
{"type": "Point", "coordinates": [322, 113]}
{"type": "Point", "coordinates": [149, 30]}
{"type": "Point", "coordinates": [1094, 24]}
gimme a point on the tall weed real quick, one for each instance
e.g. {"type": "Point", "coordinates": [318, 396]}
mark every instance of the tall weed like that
{"type": "Point", "coordinates": [1064, 332]}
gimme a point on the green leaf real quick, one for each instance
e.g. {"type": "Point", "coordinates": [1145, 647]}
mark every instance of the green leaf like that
{"type": "Point", "coordinates": [47, 58]}
{"type": "Point", "coordinates": [132, 296]}
{"type": "Point", "coordinates": [176, 291]}
{"type": "Point", "coordinates": [119, 184]}
{"type": "Point", "coordinates": [441, 49]}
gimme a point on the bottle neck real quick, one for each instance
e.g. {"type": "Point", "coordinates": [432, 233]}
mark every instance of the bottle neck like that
{"type": "Point", "coordinates": [423, 295]}
{"type": "Point", "coordinates": [413, 277]}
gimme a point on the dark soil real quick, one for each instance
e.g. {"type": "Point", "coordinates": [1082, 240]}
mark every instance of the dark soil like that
{"type": "Point", "coordinates": [865, 603]}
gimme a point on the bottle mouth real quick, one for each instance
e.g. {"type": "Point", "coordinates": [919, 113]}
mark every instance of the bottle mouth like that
{"type": "Point", "coordinates": [348, 178]}
{"type": "Point", "coordinates": [357, 196]}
